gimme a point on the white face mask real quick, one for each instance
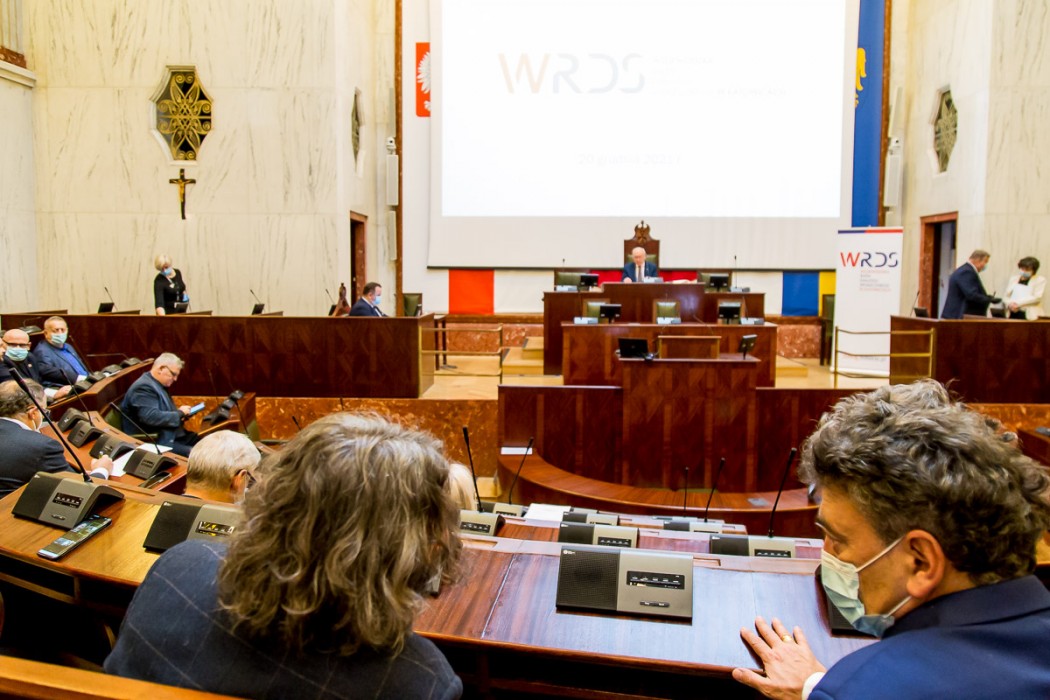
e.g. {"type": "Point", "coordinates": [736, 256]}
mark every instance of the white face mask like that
{"type": "Point", "coordinates": [841, 581]}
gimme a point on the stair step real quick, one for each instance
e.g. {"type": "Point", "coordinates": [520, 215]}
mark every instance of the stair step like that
{"type": "Point", "coordinates": [516, 363]}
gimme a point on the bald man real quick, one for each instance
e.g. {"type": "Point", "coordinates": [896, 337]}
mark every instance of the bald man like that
{"type": "Point", "coordinates": [638, 269]}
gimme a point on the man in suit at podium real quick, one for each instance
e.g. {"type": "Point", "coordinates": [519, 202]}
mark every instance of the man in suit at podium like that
{"type": "Point", "coordinates": [966, 295]}
{"type": "Point", "coordinates": [638, 269]}
{"type": "Point", "coordinates": [931, 518]}
{"type": "Point", "coordinates": [59, 362]}
{"type": "Point", "coordinates": [368, 303]}
{"type": "Point", "coordinates": [149, 405]}
{"type": "Point", "coordinates": [26, 451]}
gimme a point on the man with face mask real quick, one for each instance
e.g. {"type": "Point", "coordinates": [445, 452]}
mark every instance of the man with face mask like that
{"type": "Point", "coordinates": [18, 357]}
{"type": "Point", "coordinates": [931, 521]}
{"type": "Point", "coordinates": [221, 467]}
{"type": "Point", "coordinates": [966, 295]}
{"type": "Point", "coordinates": [24, 450]}
{"type": "Point", "coordinates": [59, 362]}
{"type": "Point", "coordinates": [368, 303]}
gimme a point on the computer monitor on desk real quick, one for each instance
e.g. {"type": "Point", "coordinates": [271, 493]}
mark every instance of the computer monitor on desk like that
{"type": "Point", "coordinates": [588, 280]}
{"type": "Point", "coordinates": [718, 281]}
{"type": "Point", "coordinates": [609, 312]}
{"type": "Point", "coordinates": [729, 311]}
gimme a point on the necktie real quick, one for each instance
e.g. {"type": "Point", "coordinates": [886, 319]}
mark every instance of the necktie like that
{"type": "Point", "coordinates": [638, 275]}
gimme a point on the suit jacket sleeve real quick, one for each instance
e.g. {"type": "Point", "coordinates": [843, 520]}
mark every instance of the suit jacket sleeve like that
{"type": "Point", "coordinates": [158, 291]}
{"type": "Point", "coordinates": [54, 459]}
{"type": "Point", "coordinates": [971, 287]}
{"type": "Point", "coordinates": [51, 367]}
{"type": "Point", "coordinates": [147, 409]}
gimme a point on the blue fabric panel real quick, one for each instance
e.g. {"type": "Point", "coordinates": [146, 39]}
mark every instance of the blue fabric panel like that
{"type": "Point", "coordinates": [867, 124]}
{"type": "Point", "coordinates": [801, 294]}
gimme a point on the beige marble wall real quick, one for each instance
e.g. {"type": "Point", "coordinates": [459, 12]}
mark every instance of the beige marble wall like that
{"type": "Point", "coordinates": [276, 178]}
{"type": "Point", "coordinates": [18, 282]}
{"type": "Point", "coordinates": [993, 56]}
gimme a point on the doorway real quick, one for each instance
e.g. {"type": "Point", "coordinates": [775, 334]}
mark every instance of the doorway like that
{"type": "Point", "coordinates": [358, 268]}
{"type": "Point", "coordinates": [937, 258]}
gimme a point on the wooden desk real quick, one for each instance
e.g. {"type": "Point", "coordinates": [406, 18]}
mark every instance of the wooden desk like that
{"type": "Point", "coordinates": [271, 355]}
{"type": "Point", "coordinates": [102, 392]}
{"type": "Point", "coordinates": [990, 360]}
{"type": "Point", "coordinates": [498, 625]}
{"type": "Point", "coordinates": [543, 482]}
{"type": "Point", "coordinates": [175, 484]}
{"type": "Point", "coordinates": [753, 306]}
{"type": "Point", "coordinates": [589, 351]}
{"type": "Point", "coordinates": [1035, 446]}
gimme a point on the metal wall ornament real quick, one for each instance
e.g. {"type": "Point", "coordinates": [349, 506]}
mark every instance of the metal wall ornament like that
{"type": "Point", "coordinates": [945, 129]}
{"type": "Point", "coordinates": [184, 112]}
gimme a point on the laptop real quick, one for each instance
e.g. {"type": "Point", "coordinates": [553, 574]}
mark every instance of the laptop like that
{"type": "Point", "coordinates": [258, 309]}
{"type": "Point", "coordinates": [921, 312]}
{"type": "Point", "coordinates": [181, 307]}
{"type": "Point", "coordinates": [106, 307]}
{"type": "Point", "coordinates": [634, 347]}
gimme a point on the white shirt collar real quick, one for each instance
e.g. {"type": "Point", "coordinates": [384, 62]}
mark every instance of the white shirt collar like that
{"type": "Point", "coordinates": [17, 422]}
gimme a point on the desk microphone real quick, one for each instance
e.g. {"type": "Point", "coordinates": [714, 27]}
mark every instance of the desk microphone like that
{"type": "Point", "coordinates": [685, 491]}
{"type": "Point", "coordinates": [52, 499]}
{"type": "Point", "coordinates": [509, 508]}
{"type": "Point", "coordinates": [914, 303]}
{"type": "Point", "coordinates": [298, 428]}
{"type": "Point", "coordinates": [760, 545]}
{"type": "Point", "coordinates": [714, 486]}
{"type": "Point", "coordinates": [473, 475]}
{"type": "Point", "coordinates": [143, 464]}
{"type": "Point", "coordinates": [110, 297]}
{"type": "Point", "coordinates": [783, 480]}
{"type": "Point", "coordinates": [330, 298]}
{"type": "Point", "coordinates": [257, 299]}
{"type": "Point", "coordinates": [510, 493]}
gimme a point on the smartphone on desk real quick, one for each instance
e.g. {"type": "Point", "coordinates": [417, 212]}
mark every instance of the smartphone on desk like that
{"type": "Point", "coordinates": [75, 537]}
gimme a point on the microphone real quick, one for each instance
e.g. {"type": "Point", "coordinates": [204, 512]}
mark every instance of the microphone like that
{"type": "Point", "coordinates": [473, 475]}
{"type": "Point", "coordinates": [914, 303]}
{"type": "Point", "coordinates": [329, 296]}
{"type": "Point", "coordinates": [110, 296]}
{"type": "Point", "coordinates": [51, 499]}
{"type": "Point", "coordinates": [17, 376]}
{"type": "Point", "coordinates": [760, 545]}
{"type": "Point", "coordinates": [714, 485]}
{"type": "Point", "coordinates": [257, 299]}
{"type": "Point", "coordinates": [509, 508]}
{"type": "Point", "coordinates": [298, 428]}
{"type": "Point", "coordinates": [783, 480]}
{"type": "Point", "coordinates": [143, 464]}
{"type": "Point", "coordinates": [685, 490]}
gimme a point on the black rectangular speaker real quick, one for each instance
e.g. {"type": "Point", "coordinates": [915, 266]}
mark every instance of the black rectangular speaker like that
{"type": "Point", "coordinates": [574, 517]}
{"type": "Point", "coordinates": [178, 522]}
{"type": "Point", "coordinates": [110, 446]}
{"type": "Point", "coordinates": [587, 579]}
{"type": "Point", "coordinates": [70, 417]}
{"type": "Point", "coordinates": [130, 362]}
{"type": "Point", "coordinates": [576, 533]}
{"type": "Point", "coordinates": [83, 433]}
{"type": "Point", "coordinates": [145, 464]}
{"type": "Point", "coordinates": [111, 369]}
{"type": "Point", "coordinates": [734, 545]}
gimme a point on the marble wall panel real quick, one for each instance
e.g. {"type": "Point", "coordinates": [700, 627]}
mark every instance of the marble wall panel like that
{"type": "Point", "coordinates": [18, 282]}
{"type": "Point", "coordinates": [798, 340]}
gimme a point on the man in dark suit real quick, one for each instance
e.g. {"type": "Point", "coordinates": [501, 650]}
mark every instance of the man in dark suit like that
{"type": "Point", "coordinates": [368, 303]}
{"type": "Point", "coordinates": [638, 269]}
{"type": "Point", "coordinates": [59, 362]}
{"type": "Point", "coordinates": [966, 295]}
{"type": "Point", "coordinates": [25, 451]}
{"type": "Point", "coordinates": [17, 357]}
{"type": "Point", "coordinates": [149, 405]}
{"type": "Point", "coordinates": [950, 588]}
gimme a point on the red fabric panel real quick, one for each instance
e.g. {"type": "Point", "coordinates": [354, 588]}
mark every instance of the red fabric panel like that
{"type": "Point", "coordinates": [471, 291]}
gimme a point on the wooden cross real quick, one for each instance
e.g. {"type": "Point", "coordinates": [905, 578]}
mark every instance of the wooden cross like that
{"type": "Point", "coordinates": [181, 181]}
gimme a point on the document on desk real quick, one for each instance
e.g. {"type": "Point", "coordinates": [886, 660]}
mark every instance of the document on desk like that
{"type": "Point", "coordinates": [545, 512]}
{"type": "Point", "coordinates": [122, 461]}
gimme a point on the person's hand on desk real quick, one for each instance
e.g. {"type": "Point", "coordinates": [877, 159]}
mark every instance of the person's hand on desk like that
{"type": "Point", "coordinates": [786, 657]}
{"type": "Point", "coordinates": [102, 466]}
{"type": "Point", "coordinates": [1013, 306]}
{"type": "Point", "coordinates": [63, 392]}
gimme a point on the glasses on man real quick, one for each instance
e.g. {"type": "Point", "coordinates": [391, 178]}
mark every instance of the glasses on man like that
{"type": "Point", "coordinates": [174, 374]}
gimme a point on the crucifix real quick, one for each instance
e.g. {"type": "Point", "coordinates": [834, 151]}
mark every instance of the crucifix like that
{"type": "Point", "coordinates": [181, 181]}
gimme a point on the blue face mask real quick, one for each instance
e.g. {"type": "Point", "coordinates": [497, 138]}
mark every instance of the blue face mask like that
{"type": "Point", "coordinates": [17, 354]}
{"type": "Point", "coordinates": [378, 299]}
{"type": "Point", "coordinates": [1025, 275]}
{"type": "Point", "coordinates": [841, 582]}
{"type": "Point", "coordinates": [58, 339]}
{"type": "Point", "coordinates": [166, 272]}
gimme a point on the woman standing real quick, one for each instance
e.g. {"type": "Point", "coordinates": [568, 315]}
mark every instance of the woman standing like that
{"type": "Point", "coordinates": [1024, 292]}
{"type": "Point", "coordinates": [168, 286]}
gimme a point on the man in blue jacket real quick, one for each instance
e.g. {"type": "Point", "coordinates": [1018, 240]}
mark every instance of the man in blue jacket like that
{"type": "Point", "coordinates": [638, 265]}
{"type": "Point", "coordinates": [931, 519]}
{"type": "Point", "coordinates": [966, 295]}
{"type": "Point", "coordinates": [149, 406]}
{"type": "Point", "coordinates": [60, 364]}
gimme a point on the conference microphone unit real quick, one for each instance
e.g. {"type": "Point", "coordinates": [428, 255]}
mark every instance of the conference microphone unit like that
{"type": "Point", "coordinates": [706, 525]}
{"type": "Point", "coordinates": [110, 446]}
{"type": "Point", "coordinates": [590, 518]}
{"type": "Point", "coordinates": [760, 545]}
{"type": "Point", "coordinates": [631, 581]}
{"type": "Point", "coordinates": [298, 428]}
{"type": "Point", "coordinates": [597, 534]}
{"type": "Point", "coordinates": [177, 521]}
{"type": "Point", "coordinates": [259, 306]}
{"type": "Point", "coordinates": [477, 521]}
{"type": "Point", "coordinates": [473, 474]}
{"type": "Point", "coordinates": [141, 463]}
{"type": "Point", "coordinates": [509, 508]}
{"type": "Point", "coordinates": [53, 499]}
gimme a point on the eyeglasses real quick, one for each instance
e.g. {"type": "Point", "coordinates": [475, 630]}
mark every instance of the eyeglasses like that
{"type": "Point", "coordinates": [173, 373]}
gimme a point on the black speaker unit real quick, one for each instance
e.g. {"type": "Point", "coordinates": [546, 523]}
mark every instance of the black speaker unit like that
{"type": "Point", "coordinates": [83, 433]}
{"type": "Point", "coordinates": [54, 500]}
{"type": "Point", "coordinates": [110, 446]}
{"type": "Point", "coordinates": [177, 522]}
{"type": "Point", "coordinates": [130, 362]}
{"type": "Point", "coordinates": [587, 579]}
{"type": "Point", "coordinates": [111, 369]}
{"type": "Point", "coordinates": [145, 464]}
{"type": "Point", "coordinates": [70, 417]}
